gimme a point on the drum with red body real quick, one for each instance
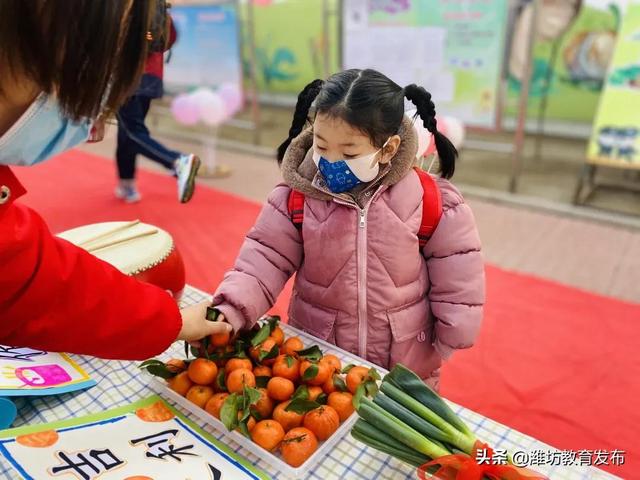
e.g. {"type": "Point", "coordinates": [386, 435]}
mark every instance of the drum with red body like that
{"type": "Point", "coordinates": [143, 251]}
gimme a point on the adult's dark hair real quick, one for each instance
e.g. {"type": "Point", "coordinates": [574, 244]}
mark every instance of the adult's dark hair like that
{"type": "Point", "coordinates": [372, 103]}
{"type": "Point", "coordinates": [90, 53]}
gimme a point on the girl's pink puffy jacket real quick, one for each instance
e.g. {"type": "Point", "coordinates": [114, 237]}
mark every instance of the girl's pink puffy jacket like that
{"type": "Point", "coordinates": [362, 282]}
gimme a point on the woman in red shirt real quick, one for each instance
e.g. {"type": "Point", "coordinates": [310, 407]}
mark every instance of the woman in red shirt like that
{"type": "Point", "coordinates": [64, 64]}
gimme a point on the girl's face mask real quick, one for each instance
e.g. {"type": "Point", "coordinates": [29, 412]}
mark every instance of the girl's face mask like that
{"type": "Point", "coordinates": [343, 175]}
{"type": "Point", "coordinates": [41, 133]}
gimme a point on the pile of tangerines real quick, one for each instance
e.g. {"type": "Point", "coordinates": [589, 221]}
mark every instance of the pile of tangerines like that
{"type": "Point", "coordinates": [281, 394]}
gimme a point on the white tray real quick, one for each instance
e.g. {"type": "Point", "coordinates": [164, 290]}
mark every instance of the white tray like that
{"type": "Point", "coordinates": [273, 459]}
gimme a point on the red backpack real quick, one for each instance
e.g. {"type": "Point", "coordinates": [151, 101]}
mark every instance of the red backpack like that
{"type": "Point", "coordinates": [431, 207]}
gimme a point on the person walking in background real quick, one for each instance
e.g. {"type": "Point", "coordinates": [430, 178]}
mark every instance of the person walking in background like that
{"type": "Point", "coordinates": [135, 139]}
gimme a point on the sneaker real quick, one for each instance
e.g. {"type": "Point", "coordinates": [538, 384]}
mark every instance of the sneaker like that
{"type": "Point", "coordinates": [128, 193]}
{"type": "Point", "coordinates": [186, 170]}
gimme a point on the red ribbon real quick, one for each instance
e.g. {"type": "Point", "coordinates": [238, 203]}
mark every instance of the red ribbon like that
{"type": "Point", "coordinates": [465, 467]}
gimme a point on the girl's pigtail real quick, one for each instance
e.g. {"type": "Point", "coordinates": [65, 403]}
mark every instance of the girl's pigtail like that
{"type": "Point", "coordinates": [305, 99]}
{"type": "Point", "coordinates": [447, 153]}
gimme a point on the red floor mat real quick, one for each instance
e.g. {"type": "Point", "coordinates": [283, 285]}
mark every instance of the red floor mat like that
{"type": "Point", "coordinates": [554, 362]}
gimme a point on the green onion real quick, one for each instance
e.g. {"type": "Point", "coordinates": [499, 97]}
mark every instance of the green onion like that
{"type": "Point", "coordinates": [399, 430]}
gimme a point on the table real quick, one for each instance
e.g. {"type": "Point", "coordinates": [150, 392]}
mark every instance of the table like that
{"type": "Point", "coordinates": [120, 383]}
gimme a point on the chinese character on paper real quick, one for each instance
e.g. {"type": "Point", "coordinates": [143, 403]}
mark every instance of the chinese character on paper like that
{"type": "Point", "coordinates": [18, 353]}
{"type": "Point", "coordinates": [160, 445]}
{"type": "Point", "coordinates": [568, 458]}
{"type": "Point", "coordinates": [87, 466]}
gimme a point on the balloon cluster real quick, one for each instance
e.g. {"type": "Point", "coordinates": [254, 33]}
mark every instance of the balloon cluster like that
{"type": "Point", "coordinates": [206, 105]}
{"type": "Point", "coordinates": [450, 127]}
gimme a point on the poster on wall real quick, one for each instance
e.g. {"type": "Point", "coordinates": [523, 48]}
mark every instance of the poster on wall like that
{"type": "Point", "coordinates": [615, 139]}
{"type": "Point", "coordinates": [146, 440]}
{"type": "Point", "coordinates": [454, 48]}
{"type": "Point", "coordinates": [207, 52]}
{"type": "Point", "coordinates": [583, 34]}
{"type": "Point", "coordinates": [290, 44]}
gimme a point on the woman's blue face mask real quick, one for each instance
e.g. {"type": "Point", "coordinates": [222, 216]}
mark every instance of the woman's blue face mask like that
{"type": "Point", "coordinates": [41, 133]}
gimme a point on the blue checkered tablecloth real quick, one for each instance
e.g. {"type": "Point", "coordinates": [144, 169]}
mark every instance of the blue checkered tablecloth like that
{"type": "Point", "coordinates": [120, 383]}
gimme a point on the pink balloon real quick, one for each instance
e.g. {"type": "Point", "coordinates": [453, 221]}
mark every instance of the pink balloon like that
{"type": "Point", "coordinates": [262, 3]}
{"type": "Point", "coordinates": [185, 109]}
{"type": "Point", "coordinates": [231, 95]}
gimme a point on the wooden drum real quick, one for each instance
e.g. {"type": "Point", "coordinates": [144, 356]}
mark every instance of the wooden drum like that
{"type": "Point", "coordinates": [138, 249]}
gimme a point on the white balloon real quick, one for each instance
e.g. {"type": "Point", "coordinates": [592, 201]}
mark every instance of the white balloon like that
{"type": "Point", "coordinates": [455, 131]}
{"type": "Point", "coordinates": [424, 136]}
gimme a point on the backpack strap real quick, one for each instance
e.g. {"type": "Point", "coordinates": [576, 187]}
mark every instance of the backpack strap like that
{"type": "Point", "coordinates": [431, 206]}
{"type": "Point", "coordinates": [296, 208]}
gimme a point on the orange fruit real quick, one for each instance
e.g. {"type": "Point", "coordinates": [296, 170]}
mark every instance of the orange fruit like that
{"type": "Point", "coordinates": [280, 388]}
{"type": "Point", "coordinates": [268, 434]}
{"type": "Point", "coordinates": [292, 345]}
{"type": "Point", "coordinates": [324, 371]}
{"type": "Point", "coordinates": [264, 347]}
{"type": "Point", "coordinates": [314, 392]}
{"type": "Point", "coordinates": [334, 362]}
{"type": "Point", "coordinates": [237, 379]}
{"type": "Point", "coordinates": [322, 421]}
{"type": "Point", "coordinates": [342, 403]}
{"type": "Point", "coordinates": [262, 371]}
{"type": "Point", "coordinates": [278, 336]}
{"type": "Point", "coordinates": [355, 377]}
{"type": "Point", "coordinates": [139, 477]}
{"type": "Point", "coordinates": [329, 387]}
{"type": "Point", "coordinates": [282, 369]}
{"type": "Point", "coordinates": [39, 439]}
{"type": "Point", "coordinates": [264, 406]}
{"type": "Point", "coordinates": [298, 445]}
{"type": "Point", "coordinates": [237, 363]}
{"type": "Point", "coordinates": [214, 404]}
{"type": "Point", "coordinates": [157, 412]}
{"type": "Point", "coordinates": [219, 339]}
{"type": "Point", "coordinates": [288, 420]}
{"type": "Point", "coordinates": [181, 383]}
{"type": "Point", "coordinates": [202, 371]}
{"type": "Point", "coordinates": [199, 395]}
{"type": "Point", "coordinates": [176, 365]}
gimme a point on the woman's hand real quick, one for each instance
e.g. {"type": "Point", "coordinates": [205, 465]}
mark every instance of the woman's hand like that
{"type": "Point", "coordinates": [195, 325]}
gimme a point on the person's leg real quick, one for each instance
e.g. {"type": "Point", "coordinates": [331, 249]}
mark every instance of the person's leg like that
{"type": "Point", "coordinates": [139, 135]}
{"type": "Point", "coordinates": [126, 150]}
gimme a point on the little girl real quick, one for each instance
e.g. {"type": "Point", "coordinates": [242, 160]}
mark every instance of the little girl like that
{"type": "Point", "coordinates": [363, 281]}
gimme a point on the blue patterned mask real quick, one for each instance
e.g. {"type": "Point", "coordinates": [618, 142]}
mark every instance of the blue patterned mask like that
{"type": "Point", "coordinates": [343, 175]}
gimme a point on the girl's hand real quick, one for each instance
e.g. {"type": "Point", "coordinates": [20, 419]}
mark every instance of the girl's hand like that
{"type": "Point", "coordinates": [195, 325]}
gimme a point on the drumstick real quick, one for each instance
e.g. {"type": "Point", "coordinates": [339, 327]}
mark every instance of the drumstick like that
{"type": "Point", "coordinates": [110, 232]}
{"type": "Point", "coordinates": [112, 243]}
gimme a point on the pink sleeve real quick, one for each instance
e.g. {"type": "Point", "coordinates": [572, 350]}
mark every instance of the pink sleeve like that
{"type": "Point", "coordinates": [456, 272]}
{"type": "Point", "coordinates": [270, 255]}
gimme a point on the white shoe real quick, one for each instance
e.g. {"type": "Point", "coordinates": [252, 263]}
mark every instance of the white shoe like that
{"type": "Point", "coordinates": [186, 170]}
{"type": "Point", "coordinates": [128, 193]}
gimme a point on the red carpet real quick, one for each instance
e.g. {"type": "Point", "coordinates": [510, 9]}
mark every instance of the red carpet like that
{"type": "Point", "coordinates": [554, 362]}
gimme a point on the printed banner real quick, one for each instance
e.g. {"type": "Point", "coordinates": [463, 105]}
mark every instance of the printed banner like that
{"type": "Point", "coordinates": [454, 48]}
{"type": "Point", "coordinates": [147, 440]}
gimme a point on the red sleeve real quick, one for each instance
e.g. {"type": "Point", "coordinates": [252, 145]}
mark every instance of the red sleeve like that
{"type": "Point", "coordinates": [55, 296]}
